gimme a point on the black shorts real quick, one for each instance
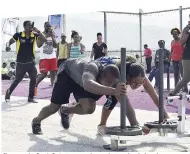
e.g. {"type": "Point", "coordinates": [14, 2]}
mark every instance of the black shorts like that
{"type": "Point", "coordinates": [64, 86]}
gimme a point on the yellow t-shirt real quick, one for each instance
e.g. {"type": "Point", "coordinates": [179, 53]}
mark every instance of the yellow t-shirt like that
{"type": "Point", "coordinates": [63, 51]}
{"type": "Point", "coordinates": [4, 70]}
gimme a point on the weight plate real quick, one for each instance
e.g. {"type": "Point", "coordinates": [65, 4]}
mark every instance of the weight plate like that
{"type": "Point", "coordinates": [156, 124]}
{"type": "Point", "coordinates": [128, 131]}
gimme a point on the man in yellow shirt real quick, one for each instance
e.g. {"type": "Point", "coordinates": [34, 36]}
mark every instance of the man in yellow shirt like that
{"type": "Point", "coordinates": [62, 50]}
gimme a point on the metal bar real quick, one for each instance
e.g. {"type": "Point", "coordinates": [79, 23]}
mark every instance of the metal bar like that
{"type": "Point", "coordinates": [181, 18]}
{"type": "Point", "coordinates": [123, 97]}
{"type": "Point", "coordinates": [181, 114]}
{"type": "Point", "coordinates": [129, 13]}
{"type": "Point", "coordinates": [161, 85]}
{"type": "Point", "coordinates": [168, 78]}
{"type": "Point", "coordinates": [154, 139]}
{"type": "Point", "coordinates": [145, 13]}
{"type": "Point", "coordinates": [140, 33]}
{"type": "Point", "coordinates": [172, 97]}
{"type": "Point", "coordinates": [170, 10]}
{"type": "Point", "coordinates": [105, 28]}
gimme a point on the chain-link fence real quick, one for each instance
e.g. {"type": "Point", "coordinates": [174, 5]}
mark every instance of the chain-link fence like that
{"type": "Point", "coordinates": [121, 29]}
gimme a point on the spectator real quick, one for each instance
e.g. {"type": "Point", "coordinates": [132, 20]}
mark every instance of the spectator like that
{"type": "Point", "coordinates": [185, 41]}
{"type": "Point", "coordinates": [4, 72]}
{"type": "Point", "coordinates": [99, 49]}
{"type": "Point", "coordinates": [12, 69]}
{"type": "Point", "coordinates": [76, 49]}
{"type": "Point", "coordinates": [176, 56]}
{"type": "Point", "coordinates": [155, 71]}
{"type": "Point", "coordinates": [25, 44]}
{"type": "Point", "coordinates": [48, 59]}
{"type": "Point", "coordinates": [62, 50]}
{"type": "Point", "coordinates": [148, 58]}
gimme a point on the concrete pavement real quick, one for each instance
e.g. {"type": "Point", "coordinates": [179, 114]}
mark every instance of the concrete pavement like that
{"type": "Point", "coordinates": [81, 137]}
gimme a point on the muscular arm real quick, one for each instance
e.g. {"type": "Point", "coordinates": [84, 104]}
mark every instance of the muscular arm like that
{"type": "Point", "coordinates": [54, 42]}
{"type": "Point", "coordinates": [105, 49]}
{"type": "Point", "coordinates": [153, 95]}
{"type": "Point", "coordinates": [151, 91]}
{"type": "Point", "coordinates": [92, 53]}
{"type": "Point", "coordinates": [82, 48]}
{"type": "Point", "coordinates": [10, 42]}
{"type": "Point", "coordinates": [106, 52]}
{"type": "Point", "coordinates": [90, 84]}
{"type": "Point", "coordinates": [57, 53]}
{"type": "Point", "coordinates": [41, 40]}
{"type": "Point", "coordinates": [69, 50]}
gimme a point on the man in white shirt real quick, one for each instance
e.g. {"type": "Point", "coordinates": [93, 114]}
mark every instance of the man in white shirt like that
{"type": "Point", "coordinates": [48, 59]}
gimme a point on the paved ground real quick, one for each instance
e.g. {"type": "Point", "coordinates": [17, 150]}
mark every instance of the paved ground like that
{"type": "Point", "coordinates": [140, 100]}
{"type": "Point", "coordinates": [81, 137]}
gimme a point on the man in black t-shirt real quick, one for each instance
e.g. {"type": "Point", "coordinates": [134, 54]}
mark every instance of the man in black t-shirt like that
{"type": "Point", "coordinates": [99, 49]}
{"type": "Point", "coordinates": [25, 48]}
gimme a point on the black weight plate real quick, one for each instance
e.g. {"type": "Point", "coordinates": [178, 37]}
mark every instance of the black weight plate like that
{"type": "Point", "coordinates": [156, 124]}
{"type": "Point", "coordinates": [128, 131]}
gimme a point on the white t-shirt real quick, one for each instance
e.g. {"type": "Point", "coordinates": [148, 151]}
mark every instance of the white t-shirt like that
{"type": "Point", "coordinates": [47, 51]}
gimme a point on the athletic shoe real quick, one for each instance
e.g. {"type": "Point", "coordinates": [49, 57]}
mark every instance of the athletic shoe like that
{"type": "Point", "coordinates": [66, 118]}
{"type": "Point", "coordinates": [7, 95]}
{"type": "Point", "coordinates": [101, 130]}
{"type": "Point", "coordinates": [31, 100]}
{"type": "Point", "coordinates": [35, 91]}
{"type": "Point", "coordinates": [36, 128]}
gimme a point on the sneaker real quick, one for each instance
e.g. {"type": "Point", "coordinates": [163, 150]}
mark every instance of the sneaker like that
{"type": "Point", "coordinates": [35, 91]}
{"type": "Point", "coordinates": [31, 100]}
{"type": "Point", "coordinates": [101, 130]}
{"type": "Point", "coordinates": [7, 95]}
{"type": "Point", "coordinates": [65, 122]}
{"type": "Point", "coordinates": [36, 128]}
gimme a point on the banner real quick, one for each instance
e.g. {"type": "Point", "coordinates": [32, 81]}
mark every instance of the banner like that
{"type": "Point", "coordinates": [56, 22]}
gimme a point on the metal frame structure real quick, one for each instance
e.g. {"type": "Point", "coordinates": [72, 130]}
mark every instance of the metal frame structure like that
{"type": "Point", "coordinates": [118, 142]}
{"type": "Point", "coordinates": [141, 14]}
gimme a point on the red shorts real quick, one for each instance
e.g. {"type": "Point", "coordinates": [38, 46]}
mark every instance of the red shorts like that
{"type": "Point", "coordinates": [47, 65]}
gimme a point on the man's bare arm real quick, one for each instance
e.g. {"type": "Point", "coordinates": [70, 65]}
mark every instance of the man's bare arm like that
{"type": "Point", "coordinates": [41, 39]}
{"type": "Point", "coordinates": [90, 85]}
{"type": "Point", "coordinates": [184, 36]}
{"type": "Point", "coordinates": [92, 53]}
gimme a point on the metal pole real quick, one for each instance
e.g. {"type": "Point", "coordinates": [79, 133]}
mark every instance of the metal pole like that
{"type": "Point", "coordinates": [140, 32]}
{"type": "Point", "coordinates": [105, 28]}
{"type": "Point", "coordinates": [181, 18]}
{"type": "Point", "coordinates": [123, 97]}
{"type": "Point", "coordinates": [161, 85]}
{"type": "Point", "coordinates": [64, 24]}
{"type": "Point", "coordinates": [168, 78]}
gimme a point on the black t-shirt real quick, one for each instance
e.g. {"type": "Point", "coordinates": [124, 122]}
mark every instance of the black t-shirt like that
{"type": "Point", "coordinates": [186, 52]}
{"type": "Point", "coordinates": [25, 47]}
{"type": "Point", "coordinates": [99, 50]}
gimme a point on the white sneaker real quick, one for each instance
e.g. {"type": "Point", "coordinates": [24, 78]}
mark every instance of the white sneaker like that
{"type": "Point", "coordinates": [101, 130]}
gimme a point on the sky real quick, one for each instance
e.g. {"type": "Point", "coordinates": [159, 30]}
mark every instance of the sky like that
{"type": "Point", "coordinates": [122, 30]}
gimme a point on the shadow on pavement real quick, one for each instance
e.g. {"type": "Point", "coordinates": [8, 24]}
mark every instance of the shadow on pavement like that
{"type": "Point", "coordinates": [9, 106]}
{"type": "Point", "coordinates": [86, 144]}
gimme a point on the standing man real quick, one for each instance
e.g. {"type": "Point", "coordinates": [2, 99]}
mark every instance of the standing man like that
{"type": "Point", "coordinates": [48, 58]}
{"type": "Point", "coordinates": [99, 49]}
{"type": "Point", "coordinates": [148, 57]}
{"type": "Point", "coordinates": [25, 49]}
{"type": "Point", "coordinates": [62, 50]}
{"type": "Point", "coordinates": [156, 70]}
